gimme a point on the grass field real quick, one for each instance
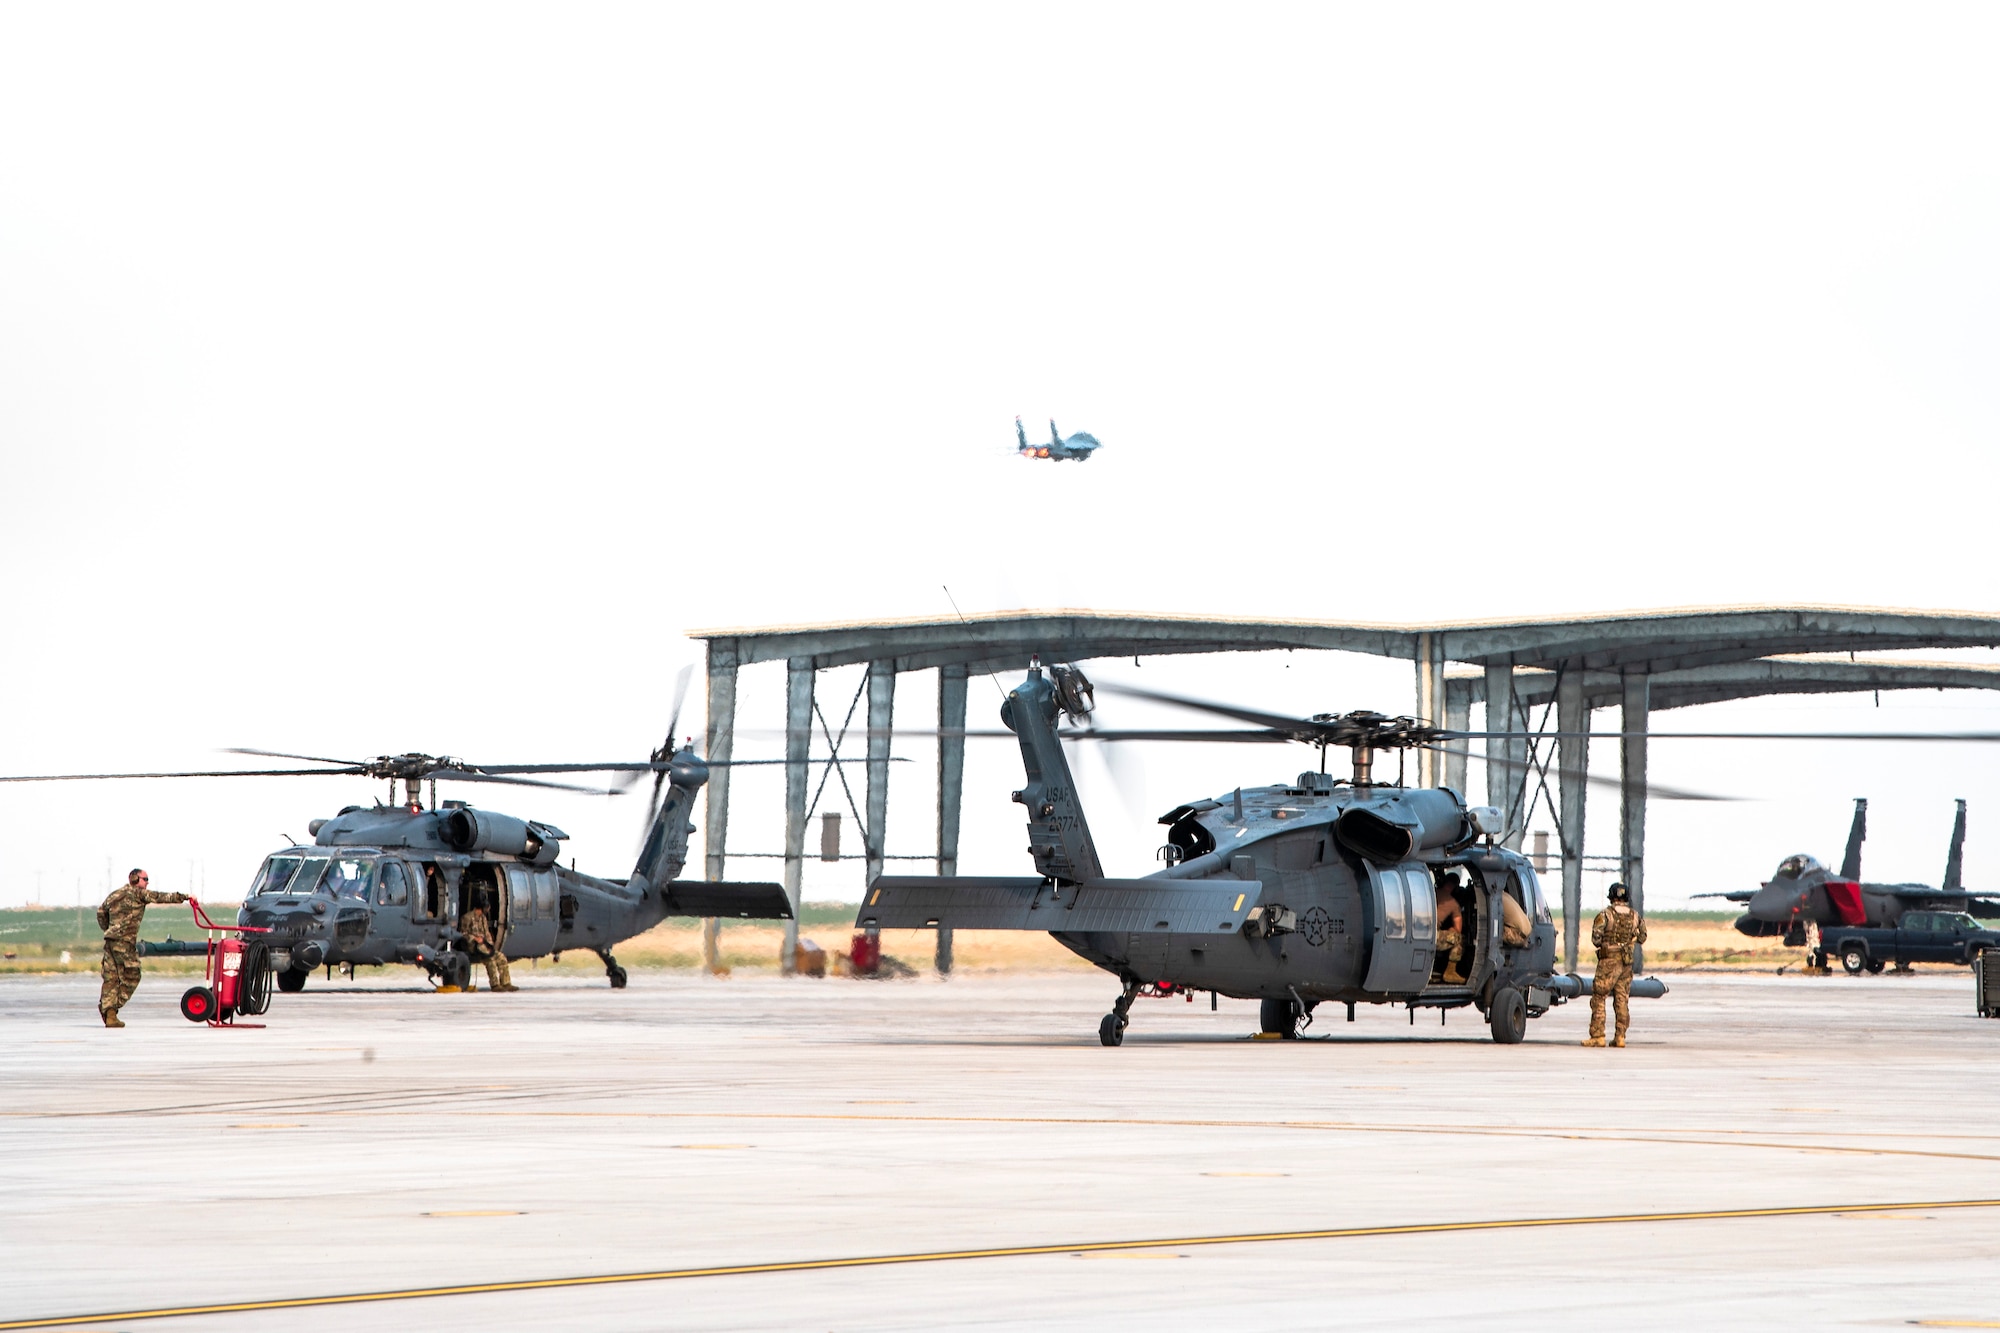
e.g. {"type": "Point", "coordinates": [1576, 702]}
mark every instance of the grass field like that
{"type": "Point", "coordinates": [35, 940]}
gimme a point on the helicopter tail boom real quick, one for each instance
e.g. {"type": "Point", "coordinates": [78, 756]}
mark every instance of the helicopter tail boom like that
{"type": "Point", "coordinates": [1058, 837]}
{"type": "Point", "coordinates": [1153, 905]}
{"type": "Point", "coordinates": [728, 898]}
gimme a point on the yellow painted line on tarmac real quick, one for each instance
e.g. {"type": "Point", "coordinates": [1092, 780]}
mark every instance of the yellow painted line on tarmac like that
{"type": "Point", "coordinates": [1078, 1248]}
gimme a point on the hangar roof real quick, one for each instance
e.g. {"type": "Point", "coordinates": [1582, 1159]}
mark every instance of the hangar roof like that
{"type": "Point", "coordinates": [1674, 639]}
{"type": "Point", "coordinates": [1718, 682]}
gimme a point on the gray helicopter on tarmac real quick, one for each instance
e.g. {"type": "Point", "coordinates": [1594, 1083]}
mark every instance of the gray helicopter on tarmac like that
{"type": "Point", "coordinates": [1803, 892]}
{"type": "Point", "coordinates": [389, 883]}
{"type": "Point", "coordinates": [1310, 891]}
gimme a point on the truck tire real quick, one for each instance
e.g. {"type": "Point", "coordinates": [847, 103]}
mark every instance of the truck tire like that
{"type": "Point", "coordinates": [1854, 958]}
{"type": "Point", "coordinates": [1508, 1016]}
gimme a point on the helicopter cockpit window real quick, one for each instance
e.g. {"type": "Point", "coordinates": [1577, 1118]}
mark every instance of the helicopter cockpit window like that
{"type": "Point", "coordinates": [1537, 906]}
{"type": "Point", "coordinates": [275, 875]}
{"type": "Point", "coordinates": [349, 878]}
{"type": "Point", "coordinates": [1794, 866]}
{"type": "Point", "coordinates": [394, 890]}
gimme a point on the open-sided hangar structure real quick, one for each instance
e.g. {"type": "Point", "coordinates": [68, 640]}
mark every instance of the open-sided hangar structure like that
{"type": "Point", "coordinates": [1638, 661]}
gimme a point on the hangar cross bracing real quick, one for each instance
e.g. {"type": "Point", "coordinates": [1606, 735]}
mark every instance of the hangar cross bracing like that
{"type": "Point", "coordinates": [1582, 661]}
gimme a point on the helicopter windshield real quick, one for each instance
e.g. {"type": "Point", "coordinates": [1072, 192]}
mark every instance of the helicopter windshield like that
{"type": "Point", "coordinates": [349, 878]}
{"type": "Point", "coordinates": [293, 876]}
{"type": "Point", "coordinates": [276, 874]}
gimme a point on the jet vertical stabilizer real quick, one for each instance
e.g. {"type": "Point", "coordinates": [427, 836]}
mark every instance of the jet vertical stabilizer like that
{"type": "Point", "coordinates": [1857, 833]}
{"type": "Point", "coordinates": [1954, 861]}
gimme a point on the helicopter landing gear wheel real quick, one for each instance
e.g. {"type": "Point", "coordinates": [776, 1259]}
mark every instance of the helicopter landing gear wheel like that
{"type": "Point", "coordinates": [612, 970]}
{"type": "Point", "coordinates": [1508, 1016]}
{"type": "Point", "coordinates": [1875, 966]}
{"type": "Point", "coordinates": [1854, 959]}
{"type": "Point", "coordinates": [1111, 1030]}
{"type": "Point", "coordinates": [198, 1004]}
{"type": "Point", "coordinates": [291, 981]}
{"type": "Point", "coordinates": [1280, 1017]}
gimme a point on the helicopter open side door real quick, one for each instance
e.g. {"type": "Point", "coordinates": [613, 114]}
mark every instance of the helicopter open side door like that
{"type": "Point", "coordinates": [531, 912]}
{"type": "Point", "coordinates": [1403, 928]}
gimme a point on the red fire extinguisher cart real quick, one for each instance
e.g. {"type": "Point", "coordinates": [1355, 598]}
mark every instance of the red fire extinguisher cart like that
{"type": "Point", "coordinates": [236, 980]}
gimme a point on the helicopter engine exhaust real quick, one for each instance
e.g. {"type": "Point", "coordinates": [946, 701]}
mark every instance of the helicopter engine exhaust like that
{"type": "Point", "coordinates": [469, 830]}
{"type": "Point", "coordinates": [1400, 825]}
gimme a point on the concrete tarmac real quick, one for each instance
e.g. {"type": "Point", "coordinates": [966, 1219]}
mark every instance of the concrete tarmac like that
{"type": "Point", "coordinates": [376, 1137]}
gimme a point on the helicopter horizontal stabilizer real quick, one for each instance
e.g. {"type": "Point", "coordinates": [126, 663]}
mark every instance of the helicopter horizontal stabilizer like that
{"type": "Point", "coordinates": [715, 897]}
{"type": "Point", "coordinates": [909, 902]}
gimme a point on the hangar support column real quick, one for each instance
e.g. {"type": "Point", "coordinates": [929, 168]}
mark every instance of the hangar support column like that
{"type": "Point", "coordinates": [1573, 762]}
{"type": "Point", "coordinates": [720, 747]}
{"type": "Point", "coordinates": [1507, 759]}
{"type": "Point", "coordinates": [799, 673]}
{"type": "Point", "coordinates": [1457, 717]}
{"type": "Point", "coordinates": [1430, 705]}
{"type": "Point", "coordinates": [950, 784]}
{"type": "Point", "coordinates": [881, 719]}
{"type": "Point", "coordinates": [1636, 704]}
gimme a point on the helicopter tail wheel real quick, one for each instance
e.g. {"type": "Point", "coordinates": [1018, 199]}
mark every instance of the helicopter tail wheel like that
{"type": "Point", "coordinates": [1280, 1017]}
{"type": "Point", "coordinates": [291, 981]}
{"type": "Point", "coordinates": [198, 1004]}
{"type": "Point", "coordinates": [1854, 959]}
{"type": "Point", "coordinates": [1508, 1016]}
{"type": "Point", "coordinates": [617, 974]}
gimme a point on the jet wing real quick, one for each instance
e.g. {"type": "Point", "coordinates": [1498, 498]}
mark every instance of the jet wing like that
{"type": "Point", "coordinates": [1182, 907]}
{"type": "Point", "coordinates": [1978, 904]}
{"type": "Point", "coordinates": [717, 897]}
{"type": "Point", "coordinates": [1737, 896]}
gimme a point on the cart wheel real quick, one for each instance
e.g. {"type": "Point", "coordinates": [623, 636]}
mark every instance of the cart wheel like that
{"type": "Point", "coordinates": [198, 1004]}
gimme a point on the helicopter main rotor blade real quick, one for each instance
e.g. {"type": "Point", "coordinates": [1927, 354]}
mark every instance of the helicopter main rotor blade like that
{"type": "Point", "coordinates": [1196, 734]}
{"type": "Point", "coordinates": [467, 775]}
{"type": "Point", "coordinates": [1614, 784]}
{"type": "Point", "coordinates": [280, 754]}
{"type": "Point", "coordinates": [212, 773]}
{"type": "Point", "coordinates": [1276, 721]}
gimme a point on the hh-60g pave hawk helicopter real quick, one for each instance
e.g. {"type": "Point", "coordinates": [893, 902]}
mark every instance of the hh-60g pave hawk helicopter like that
{"type": "Point", "coordinates": [1312, 891]}
{"type": "Point", "coordinates": [389, 883]}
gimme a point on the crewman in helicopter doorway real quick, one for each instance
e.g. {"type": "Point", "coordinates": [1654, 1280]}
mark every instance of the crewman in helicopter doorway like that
{"type": "Point", "coordinates": [482, 945]}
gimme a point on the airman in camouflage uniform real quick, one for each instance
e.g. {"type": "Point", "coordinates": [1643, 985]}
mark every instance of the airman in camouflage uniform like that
{"type": "Point", "coordinates": [1450, 932]}
{"type": "Point", "coordinates": [481, 944]}
{"type": "Point", "coordinates": [119, 916]}
{"type": "Point", "coordinates": [1614, 934]}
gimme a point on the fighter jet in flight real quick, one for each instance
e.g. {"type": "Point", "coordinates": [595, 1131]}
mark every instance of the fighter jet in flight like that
{"type": "Point", "coordinates": [1079, 446]}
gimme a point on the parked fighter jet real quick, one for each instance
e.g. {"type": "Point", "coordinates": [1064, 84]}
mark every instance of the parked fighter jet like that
{"type": "Point", "coordinates": [1079, 446]}
{"type": "Point", "coordinates": [1802, 890]}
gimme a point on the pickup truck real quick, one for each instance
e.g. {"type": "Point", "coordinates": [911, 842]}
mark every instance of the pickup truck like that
{"type": "Point", "coordinates": [1919, 937]}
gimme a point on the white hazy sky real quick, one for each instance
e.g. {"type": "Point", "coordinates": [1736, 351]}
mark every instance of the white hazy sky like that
{"type": "Point", "coordinates": [387, 377]}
